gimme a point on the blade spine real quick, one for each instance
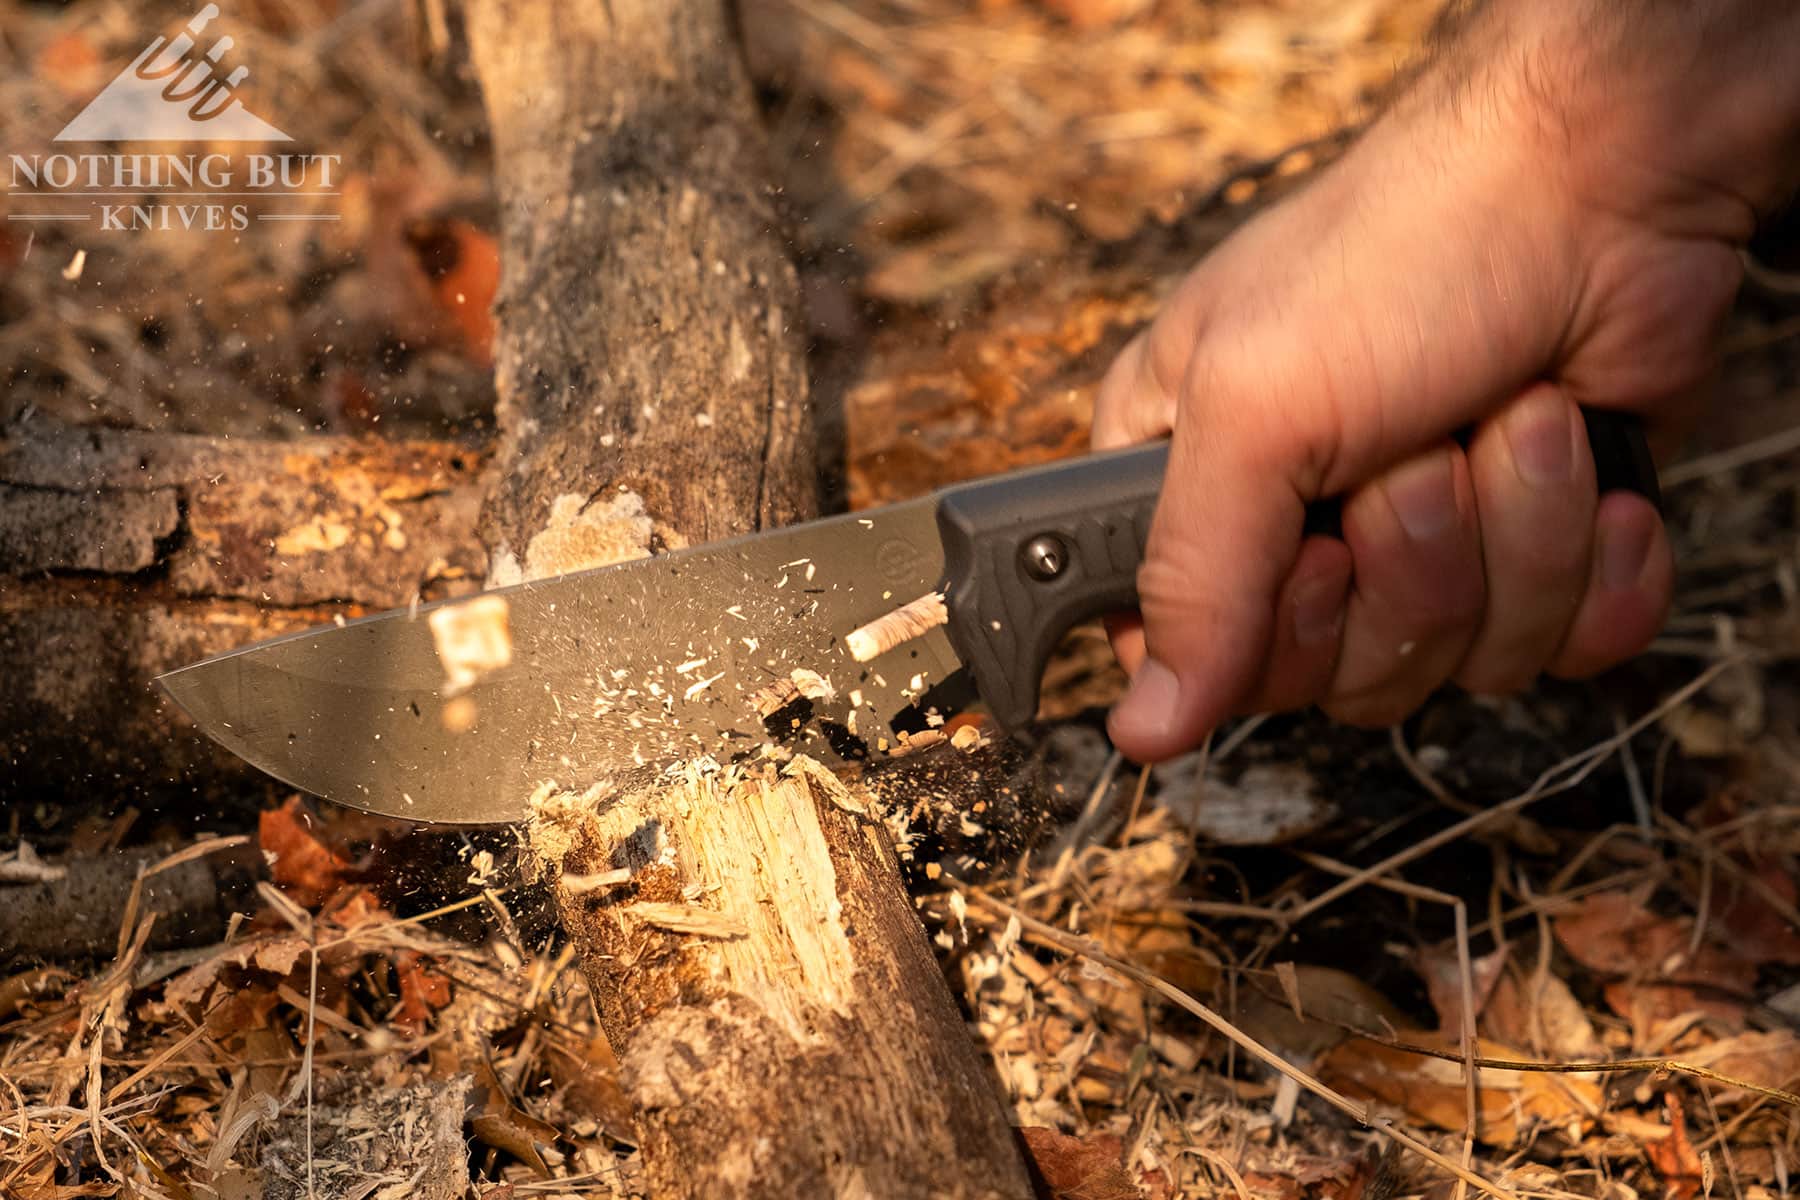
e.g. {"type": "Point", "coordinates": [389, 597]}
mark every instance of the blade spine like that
{"type": "Point", "coordinates": [704, 550]}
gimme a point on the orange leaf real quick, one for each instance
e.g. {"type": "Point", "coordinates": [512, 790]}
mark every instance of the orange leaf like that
{"type": "Point", "coordinates": [299, 862]}
{"type": "Point", "coordinates": [1614, 933]}
{"type": "Point", "coordinates": [1073, 1168]}
{"type": "Point", "coordinates": [463, 264]}
{"type": "Point", "coordinates": [1431, 1089]}
{"type": "Point", "coordinates": [422, 992]}
{"type": "Point", "coordinates": [1673, 1156]}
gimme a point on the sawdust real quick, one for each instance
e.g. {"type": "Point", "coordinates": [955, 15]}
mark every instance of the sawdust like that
{"type": "Point", "coordinates": [580, 533]}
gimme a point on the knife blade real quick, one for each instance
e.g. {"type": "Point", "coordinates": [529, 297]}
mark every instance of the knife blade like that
{"type": "Point", "coordinates": [713, 650]}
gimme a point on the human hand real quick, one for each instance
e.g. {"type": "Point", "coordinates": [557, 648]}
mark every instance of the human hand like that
{"type": "Point", "coordinates": [1522, 233]}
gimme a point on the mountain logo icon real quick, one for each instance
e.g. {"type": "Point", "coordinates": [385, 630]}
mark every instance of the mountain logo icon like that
{"type": "Point", "coordinates": [173, 91]}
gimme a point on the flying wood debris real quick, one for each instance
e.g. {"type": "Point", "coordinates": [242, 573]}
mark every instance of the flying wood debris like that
{"type": "Point", "coordinates": [798, 684]}
{"type": "Point", "coordinates": [472, 638]}
{"type": "Point", "coordinates": [910, 620]}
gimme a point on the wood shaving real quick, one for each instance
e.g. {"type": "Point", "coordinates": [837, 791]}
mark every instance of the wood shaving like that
{"type": "Point", "coordinates": [910, 620]}
{"type": "Point", "coordinates": [687, 918]}
{"type": "Point", "coordinates": [472, 637]}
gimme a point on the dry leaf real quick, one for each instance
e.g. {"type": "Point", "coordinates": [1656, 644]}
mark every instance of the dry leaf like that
{"type": "Point", "coordinates": [1770, 1060]}
{"type": "Point", "coordinates": [1673, 1156]}
{"type": "Point", "coordinates": [1538, 1011]}
{"type": "Point", "coordinates": [1442, 971]}
{"type": "Point", "coordinates": [299, 863]}
{"type": "Point", "coordinates": [1431, 1090]}
{"type": "Point", "coordinates": [1074, 1168]}
{"type": "Point", "coordinates": [1748, 923]}
{"type": "Point", "coordinates": [501, 1125]}
{"type": "Point", "coordinates": [422, 992]}
{"type": "Point", "coordinates": [1334, 1002]}
{"type": "Point", "coordinates": [590, 1083]}
{"type": "Point", "coordinates": [277, 954]}
{"type": "Point", "coordinates": [1614, 933]}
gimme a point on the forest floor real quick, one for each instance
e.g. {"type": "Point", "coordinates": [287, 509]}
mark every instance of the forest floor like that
{"type": "Point", "coordinates": [1253, 972]}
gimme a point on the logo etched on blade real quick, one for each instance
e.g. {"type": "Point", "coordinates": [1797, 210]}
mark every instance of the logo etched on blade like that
{"type": "Point", "coordinates": [898, 560]}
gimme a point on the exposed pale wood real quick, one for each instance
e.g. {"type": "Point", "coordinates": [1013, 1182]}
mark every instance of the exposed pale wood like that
{"type": "Point", "coordinates": [124, 554]}
{"type": "Point", "coordinates": [780, 1019]}
{"type": "Point", "coordinates": [791, 1035]}
{"type": "Point", "coordinates": [912, 619]}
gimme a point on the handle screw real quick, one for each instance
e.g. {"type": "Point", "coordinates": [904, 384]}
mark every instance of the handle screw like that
{"type": "Point", "coordinates": [1045, 557]}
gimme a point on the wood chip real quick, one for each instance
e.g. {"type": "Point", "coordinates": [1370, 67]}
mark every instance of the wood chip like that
{"type": "Point", "coordinates": [687, 918]}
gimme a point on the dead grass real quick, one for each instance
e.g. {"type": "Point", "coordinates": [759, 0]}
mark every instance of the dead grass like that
{"type": "Point", "coordinates": [1548, 946]}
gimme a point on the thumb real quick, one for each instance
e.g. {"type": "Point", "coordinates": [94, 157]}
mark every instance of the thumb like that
{"type": "Point", "coordinates": [1226, 533]}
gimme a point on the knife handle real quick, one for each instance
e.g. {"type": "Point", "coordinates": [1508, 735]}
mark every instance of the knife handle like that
{"type": "Point", "coordinates": [1030, 554]}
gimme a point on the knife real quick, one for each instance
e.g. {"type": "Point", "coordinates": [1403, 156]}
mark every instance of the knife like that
{"type": "Point", "coordinates": [456, 711]}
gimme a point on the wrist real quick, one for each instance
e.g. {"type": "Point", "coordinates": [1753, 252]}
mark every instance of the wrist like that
{"type": "Point", "coordinates": [1686, 115]}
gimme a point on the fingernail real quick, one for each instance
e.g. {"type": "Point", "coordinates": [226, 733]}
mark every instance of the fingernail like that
{"type": "Point", "coordinates": [1542, 441]}
{"type": "Point", "coordinates": [1423, 493]}
{"type": "Point", "coordinates": [1623, 553]}
{"type": "Point", "coordinates": [1319, 610]}
{"type": "Point", "coordinates": [1149, 706]}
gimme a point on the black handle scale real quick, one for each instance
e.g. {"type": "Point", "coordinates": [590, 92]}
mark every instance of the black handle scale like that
{"type": "Point", "coordinates": [1030, 554]}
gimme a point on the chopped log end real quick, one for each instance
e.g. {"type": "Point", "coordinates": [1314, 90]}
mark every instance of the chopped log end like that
{"type": "Point", "coordinates": [898, 627]}
{"type": "Point", "coordinates": [749, 945]}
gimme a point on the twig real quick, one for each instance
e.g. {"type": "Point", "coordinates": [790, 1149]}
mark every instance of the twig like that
{"type": "Point", "coordinates": [1084, 948]}
{"type": "Point", "coordinates": [1671, 1066]}
{"type": "Point", "coordinates": [1574, 770]}
{"type": "Point", "coordinates": [1771, 446]}
{"type": "Point", "coordinates": [1724, 1142]}
{"type": "Point", "coordinates": [1634, 781]}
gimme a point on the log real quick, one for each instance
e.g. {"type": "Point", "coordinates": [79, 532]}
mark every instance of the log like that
{"type": "Point", "coordinates": [750, 942]}
{"type": "Point", "coordinates": [765, 984]}
{"type": "Point", "coordinates": [76, 910]}
{"type": "Point", "coordinates": [650, 348]}
{"type": "Point", "coordinates": [124, 554]}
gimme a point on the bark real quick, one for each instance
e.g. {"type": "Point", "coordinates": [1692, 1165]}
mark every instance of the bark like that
{"type": "Point", "coordinates": [127, 554]}
{"type": "Point", "coordinates": [77, 914]}
{"type": "Point", "coordinates": [650, 317]}
{"type": "Point", "coordinates": [781, 1019]}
